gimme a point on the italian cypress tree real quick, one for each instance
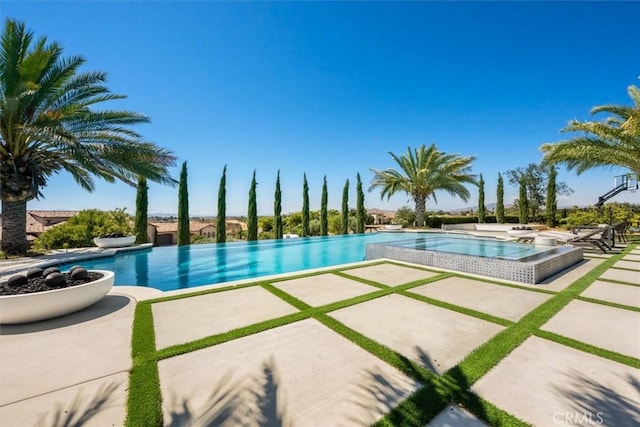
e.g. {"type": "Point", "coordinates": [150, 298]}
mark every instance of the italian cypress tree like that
{"type": "Point", "coordinates": [344, 226]}
{"type": "Point", "coordinates": [523, 202]}
{"type": "Point", "coordinates": [184, 235]}
{"type": "Point", "coordinates": [324, 220]}
{"type": "Point", "coordinates": [305, 207]}
{"type": "Point", "coordinates": [552, 198]}
{"type": "Point", "coordinates": [360, 212]}
{"type": "Point", "coordinates": [481, 207]}
{"type": "Point", "coordinates": [221, 224]}
{"type": "Point", "coordinates": [252, 215]}
{"type": "Point", "coordinates": [277, 209]}
{"type": "Point", "coordinates": [142, 205]}
{"type": "Point", "coordinates": [500, 201]}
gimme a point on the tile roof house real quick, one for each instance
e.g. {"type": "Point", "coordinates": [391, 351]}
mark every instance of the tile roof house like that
{"type": "Point", "coordinates": [40, 221]}
{"type": "Point", "coordinates": [381, 216]}
{"type": "Point", "coordinates": [166, 233]}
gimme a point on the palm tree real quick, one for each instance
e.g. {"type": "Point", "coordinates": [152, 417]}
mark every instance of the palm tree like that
{"type": "Point", "coordinates": [47, 125]}
{"type": "Point", "coordinates": [424, 171]}
{"type": "Point", "coordinates": [614, 141]}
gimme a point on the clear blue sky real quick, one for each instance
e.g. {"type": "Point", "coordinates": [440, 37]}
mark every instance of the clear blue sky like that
{"type": "Point", "coordinates": [330, 88]}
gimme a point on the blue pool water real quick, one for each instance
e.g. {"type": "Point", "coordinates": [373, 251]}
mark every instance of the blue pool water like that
{"type": "Point", "coordinates": [487, 248]}
{"type": "Point", "coordinates": [172, 267]}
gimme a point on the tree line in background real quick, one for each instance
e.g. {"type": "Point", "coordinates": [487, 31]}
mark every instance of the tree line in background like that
{"type": "Point", "coordinates": [304, 223]}
{"type": "Point", "coordinates": [49, 124]}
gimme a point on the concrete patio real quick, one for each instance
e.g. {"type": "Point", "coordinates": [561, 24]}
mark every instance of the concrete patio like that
{"type": "Point", "coordinates": [75, 368]}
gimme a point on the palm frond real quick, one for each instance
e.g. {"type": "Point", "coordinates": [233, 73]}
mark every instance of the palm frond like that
{"type": "Point", "coordinates": [49, 123]}
{"type": "Point", "coordinates": [614, 141]}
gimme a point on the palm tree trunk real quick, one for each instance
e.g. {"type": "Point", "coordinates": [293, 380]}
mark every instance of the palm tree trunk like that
{"type": "Point", "coordinates": [14, 227]}
{"type": "Point", "coordinates": [421, 207]}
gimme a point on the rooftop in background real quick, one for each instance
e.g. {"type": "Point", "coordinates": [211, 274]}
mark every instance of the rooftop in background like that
{"type": "Point", "coordinates": [40, 221]}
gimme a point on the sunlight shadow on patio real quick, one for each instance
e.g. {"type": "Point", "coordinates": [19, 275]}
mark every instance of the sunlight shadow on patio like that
{"type": "Point", "coordinates": [80, 409]}
{"type": "Point", "coordinates": [591, 399]}
{"type": "Point", "coordinates": [253, 401]}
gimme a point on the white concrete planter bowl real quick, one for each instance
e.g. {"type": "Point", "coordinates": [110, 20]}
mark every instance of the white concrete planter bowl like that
{"type": "Point", "coordinates": [393, 227]}
{"type": "Point", "coordinates": [114, 242]}
{"type": "Point", "coordinates": [58, 302]}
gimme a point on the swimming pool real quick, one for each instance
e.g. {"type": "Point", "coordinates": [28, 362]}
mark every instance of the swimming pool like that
{"type": "Point", "coordinates": [171, 267]}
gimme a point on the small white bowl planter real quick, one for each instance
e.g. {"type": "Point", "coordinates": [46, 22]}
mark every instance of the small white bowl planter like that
{"type": "Point", "coordinates": [114, 242]}
{"type": "Point", "coordinates": [58, 302]}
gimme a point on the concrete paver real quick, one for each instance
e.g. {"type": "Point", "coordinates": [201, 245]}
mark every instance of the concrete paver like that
{"type": "Point", "coordinates": [390, 274]}
{"type": "Point", "coordinates": [324, 289]}
{"type": "Point", "coordinates": [606, 327]}
{"type": "Point", "coordinates": [614, 292]}
{"type": "Point", "coordinates": [183, 320]}
{"type": "Point", "coordinates": [100, 402]}
{"type": "Point", "coordinates": [432, 336]}
{"type": "Point", "coordinates": [622, 276]}
{"type": "Point", "coordinates": [631, 257]}
{"type": "Point", "coordinates": [301, 374]}
{"type": "Point", "coordinates": [546, 384]}
{"type": "Point", "coordinates": [632, 265]}
{"type": "Point", "coordinates": [501, 301]}
{"type": "Point", "coordinates": [41, 357]}
{"type": "Point", "coordinates": [454, 416]}
{"type": "Point", "coordinates": [563, 279]}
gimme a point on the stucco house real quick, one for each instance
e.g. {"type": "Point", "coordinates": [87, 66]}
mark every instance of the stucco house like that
{"type": "Point", "coordinates": [166, 233]}
{"type": "Point", "coordinates": [40, 221]}
{"type": "Point", "coordinates": [381, 216]}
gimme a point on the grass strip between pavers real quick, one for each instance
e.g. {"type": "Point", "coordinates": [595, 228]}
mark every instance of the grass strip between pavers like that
{"type": "Point", "coordinates": [400, 362]}
{"type": "Point", "coordinates": [144, 400]}
{"type": "Point", "coordinates": [588, 348]}
{"type": "Point", "coordinates": [290, 299]}
{"type": "Point", "coordinates": [457, 308]}
{"type": "Point", "coordinates": [618, 282]}
{"type": "Point", "coordinates": [244, 331]}
{"type": "Point", "coordinates": [144, 405]}
{"type": "Point", "coordinates": [608, 303]}
{"type": "Point", "coordinates": [352, 301]}
{"type": "Point", "coordinates": [361, 280]}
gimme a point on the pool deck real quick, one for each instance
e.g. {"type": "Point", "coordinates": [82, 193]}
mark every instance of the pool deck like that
{"type": "Point", "coordinates": [579, 366]}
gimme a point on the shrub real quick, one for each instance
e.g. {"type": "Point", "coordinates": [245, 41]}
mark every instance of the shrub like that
{"type": "Point", "coordinates": [80, 230]}
{"type": "Point", "coordinates": [610, 213]}
{"type": "Point", "coordinates": [405, 216]}
{"type": "Point", "coordinates": [197, 239]}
